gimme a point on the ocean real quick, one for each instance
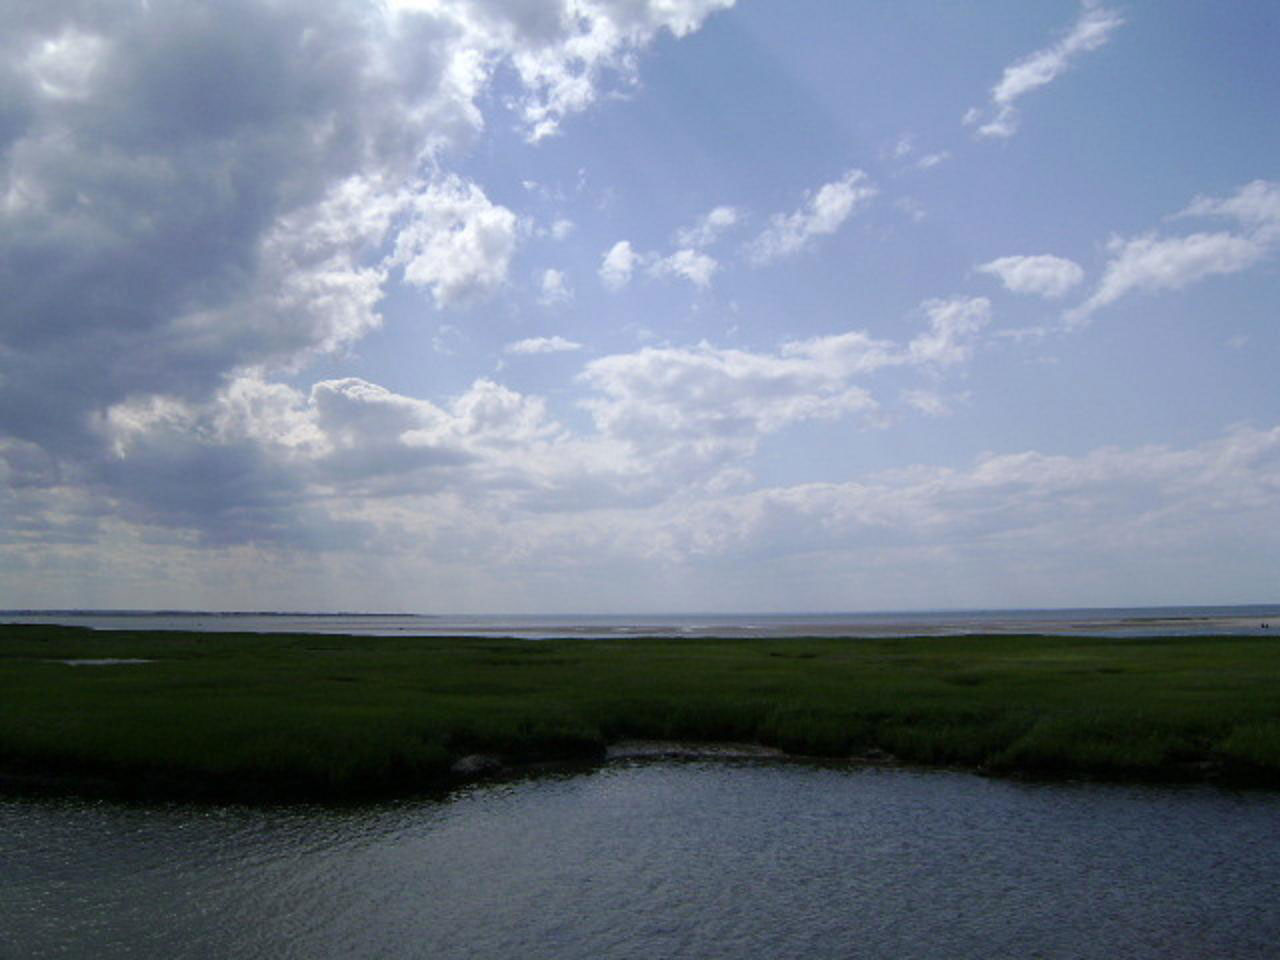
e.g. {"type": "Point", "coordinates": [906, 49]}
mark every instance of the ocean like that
{"type": "Point", "coordinates": [1100, 621]}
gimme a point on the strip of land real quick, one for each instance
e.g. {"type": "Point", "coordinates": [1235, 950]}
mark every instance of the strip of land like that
{"type": "Point", "coordinates": [317, 717]}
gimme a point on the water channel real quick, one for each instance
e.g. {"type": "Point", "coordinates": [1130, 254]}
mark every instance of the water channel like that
{"type": "Point", "coordinates": [658, 859]}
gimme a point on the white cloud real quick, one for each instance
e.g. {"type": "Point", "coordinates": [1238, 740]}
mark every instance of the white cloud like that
{"type": "Point", "coordinates": [842, 355]}
{"type": "Point", "coordinates": [345, 438]}
{"type": "Point", "coordinates": [904, 151]}
{"type": "Point", "coordinates": [534, 345]}
{"type": "Point", "coordinates": [555, 290]}
{"type": "Point", "coordinates": [927, 402]}
{"type": "Point", "coordinates": [1019, 527]}
{"type": "Point", "coordinates": [271, 414]}
{"type": "Point", "coordinates": [618, 265]}
{"type": "Point", "coordinates": [823, 213]}
{"type": "Point", "coordinates": [1091, 31]}
{"type": "Point", "coordinates": [952, 326]}
{"type": "Point", "coordinates": [456, 243]}
{"type": "Point", "coordinates": [63, 66]}
{"type": "Point", "coordinates": [446, 340]}
{"type": "Point", "coordinates": [694, 266]}
{"type": "Point", "coordinates": [912, 208]}
{"type": "Point", "coordinates": [489, 414]}
{"type": "Point", "coordinates": [697, 407]}
{"type": "Point", "coordinates": [622, 260]}
{"type": "Point", "coordinates": [187, 219]}
{"type": "Point", "coordinates": [1011, 508]}
{"type": "Point", "coordinates": [188, 238]}
{"type": "Point", "coordinates": [1045, 275]}
{"type": "Point", "coordinates": [563, 53]}
{"type": "Point", "coordinates": [1255, 206]}
{"type": "Point", "coordinates": [701, 407]}
{"type": "Point", "coordinates": [487, 478]}
{"type": "Point", "coordinates": [709, 227]}
{"type": "Point", "coordinates": [666, 420]}
{"type": "Point", "coordinates": [1150, 263]}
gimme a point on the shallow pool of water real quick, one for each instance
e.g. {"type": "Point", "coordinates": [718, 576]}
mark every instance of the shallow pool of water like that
{"type": "Point", "coordinates": [658, 859]}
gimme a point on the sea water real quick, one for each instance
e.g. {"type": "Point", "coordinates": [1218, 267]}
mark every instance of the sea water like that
{"type": "Point", "coordinates": [1117, 622]}
{"type": "Point", "coordinates": [658, 859]}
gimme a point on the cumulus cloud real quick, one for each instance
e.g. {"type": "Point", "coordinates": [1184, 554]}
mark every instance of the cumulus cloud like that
{"type": "Point", "coordinates": [563, 53]}
{"type": "Point", "coordinates": [622, 260]}
{"type": "Point", "coordinates": [903, 151]}
{"type": "Point", "coordinates": [928, 402]}
{"type": "Point", "coordinates": [456, 243]}
{"type": "Point", "coordinates": [1151, 263]}
{"type": "Point", "coordinates": [1026, 522]}
{"type": "Point", "coordinates": [664, 419]}
{"type": "Point", "coordinates": [63, 66]}
{"type": "Point", "coordinates": [1011, 514]}
{"type": "Point", "coordinates": [823, 213]}
{"type": "Point", "coordinates": [195, 201]}
{"type": "Point", "coordinates": [692, 265]}
{"type": "Point", "coordinates": [183, 202]}
{"type": "Point", "coordinates": [618, 264]}
{"type": "Point", "coordinates": [190, 194]}
{"type": "Point", "coordinates": [1255, 207]}
{"type": "Point", "coordinates": [555, 289]}
{"type": "Point", "coordinates": [1009, 508]}
{"type": "Point", "coordinates": [266, 463]}
{"type": "Point", "coordinates": [698, 408]}
{"type": "Point", "coordinates": [843, 355]}
{"type": "Point", "coordinates": [695, 407]}
{"type": "Point", "coordinates": [952, 326]}
{"type": "Point", "coordinates": [1044, 275]}
{"type": "Point", "coordinates": [689, 261]}
{"type": "Point", "coordinates": [709, 227]}
{"type": "Point", "coordinates": [534, 345]}
{"type": "Point", "coordinates": [1092, 30]}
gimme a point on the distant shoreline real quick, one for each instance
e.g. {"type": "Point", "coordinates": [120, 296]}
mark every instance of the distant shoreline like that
{"type": "Point", "coordinates": [1100, 621]}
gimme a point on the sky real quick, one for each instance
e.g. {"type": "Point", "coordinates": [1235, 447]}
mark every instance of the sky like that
{"type": "Point", "coordinates": [619, 306]}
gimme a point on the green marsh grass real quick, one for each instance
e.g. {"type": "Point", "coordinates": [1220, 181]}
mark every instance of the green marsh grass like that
{"type": "Point", "coordinates": [310, 716]}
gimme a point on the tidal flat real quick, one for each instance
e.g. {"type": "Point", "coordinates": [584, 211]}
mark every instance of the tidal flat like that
{"type": "Point", "coordinates": [288, 717]}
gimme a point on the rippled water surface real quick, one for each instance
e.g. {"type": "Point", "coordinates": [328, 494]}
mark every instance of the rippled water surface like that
{"type": "Point", "coordinates": [658, 860]}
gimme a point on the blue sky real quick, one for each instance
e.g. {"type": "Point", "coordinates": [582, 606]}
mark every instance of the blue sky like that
{"type": "Point", "coordinates": [606, 306]}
